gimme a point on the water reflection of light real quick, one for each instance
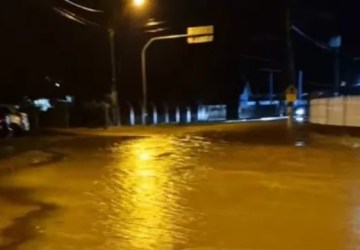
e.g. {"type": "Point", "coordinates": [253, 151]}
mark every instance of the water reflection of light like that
{"type": "Point", "coordinates": [146, 185]}
{"type": "Point", "coordinates": [144, 156]}
{"type": "Point", "coordinates": [300, 143]}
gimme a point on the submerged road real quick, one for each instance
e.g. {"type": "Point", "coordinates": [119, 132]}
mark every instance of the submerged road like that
{"type": "Point", "coordinates": [249, 186]}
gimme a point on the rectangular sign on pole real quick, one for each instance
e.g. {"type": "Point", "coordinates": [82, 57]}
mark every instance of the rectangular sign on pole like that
{"type": "Point", "coordinates": [291, 94]}
{"type": "Point", "coordinates": [197, 32]}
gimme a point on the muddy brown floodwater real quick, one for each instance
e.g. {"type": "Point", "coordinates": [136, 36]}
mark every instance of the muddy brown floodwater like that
{"type": "Point", "coordinates": [255, 188]}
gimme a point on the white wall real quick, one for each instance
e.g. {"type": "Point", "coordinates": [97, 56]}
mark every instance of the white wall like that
{"type": "Point", "coordinates": [337, 111]}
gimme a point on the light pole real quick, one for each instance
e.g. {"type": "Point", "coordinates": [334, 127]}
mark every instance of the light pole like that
{"type": "Point", "coordinates": [111, 33]}
{"type": "Point", "coordinates": [271, 82]}
{"type": "Point", "coordinates": [114, 93]}
{"type": "Point", "coordinates": [139, 3]}
{"type": "Point", "coordinates": [143, 71]}
{"type": "Point", "coordinates": [335, 44]}
{"type": "Point", "coordinates": [201, 34]}
{"type": "Point", "coordinates": [336, 71]}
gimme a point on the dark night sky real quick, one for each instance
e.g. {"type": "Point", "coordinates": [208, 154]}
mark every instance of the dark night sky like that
{"type": "Point", "coordinates": [35, 43]}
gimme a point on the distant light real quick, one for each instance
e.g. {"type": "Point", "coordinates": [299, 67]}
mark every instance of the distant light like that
{"type": "Point", "coordinates": [57, 85]}
{"type": "Point", "coordinates": [300, 112]}
{"type": "Point", "coordinates": [299, 119]}
{"type": "Point", "coordinates": [153, 22]}
{"type": "Point", "coordinates": [300, 144]}
{"type": "Point", "coordinates": [343, 84]}
{"type": "Point", "coordinates": [264, 119]}
{"type": "Point", "coordinates": [139, 3]}
{"type": "Point", "coordinates": [270, 118]}
{"type": "Point", "coordinates": [43, 104]}
{"type": "Point", "coordinates": [69, 99]}
{"type": "Point", "coordinates": [156, 30]}
{"type": "Point", "coordinates": [335, 42]}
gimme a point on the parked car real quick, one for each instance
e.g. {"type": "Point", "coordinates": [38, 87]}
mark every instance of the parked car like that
{"type": "Point", "coordinates": [19, 121]}
{"type": "Point", "coordinates": [5, 129]}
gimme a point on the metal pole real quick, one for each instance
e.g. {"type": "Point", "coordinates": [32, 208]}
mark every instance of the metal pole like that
{"type": "Point", "coordinates": [300, 84]}
{"type": "Point", "coordinates": [155, 114]}
{"type": "Point", "coordinates": [144, 84]}
{"type": "Point", "coordinates": [131, 114]}
{"type": "Point", "coordinates": [114, 94]}
{"type": "Point", "coordinates": [143, 69]}
{"type": "Point", "coordinates": [271, 81]}
{"type": "Point", "coordinates": [177, 114]}
{"type": "Point", "coordinates": [167, 117]}
{"type": "Point", "coordinates": [188, 114]}
{"type": "Point", "coordinates": [271, 86]}
{"type": "Point", "coordinates": [337, 71]}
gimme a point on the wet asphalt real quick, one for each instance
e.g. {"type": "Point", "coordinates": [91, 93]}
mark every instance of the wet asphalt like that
{"type": "Point", "coordinates": [247, 186]}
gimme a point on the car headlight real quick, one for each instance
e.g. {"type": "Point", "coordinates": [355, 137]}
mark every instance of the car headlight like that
{"type": "Point", "coordinates": [300, 112]}
{"type": "Point", "coordinates": [299, 119]}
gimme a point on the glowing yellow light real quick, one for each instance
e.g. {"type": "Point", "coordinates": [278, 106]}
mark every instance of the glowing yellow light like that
{"type": "Point", "coordinates": [149, 212]}
{"type": "Point", "coordinates": [139, 3]}
{"type": "Point", "coordinates": [144, 156]}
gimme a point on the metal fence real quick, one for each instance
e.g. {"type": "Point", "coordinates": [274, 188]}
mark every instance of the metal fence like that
{"type": "Point", "coordinates": [337, 111]}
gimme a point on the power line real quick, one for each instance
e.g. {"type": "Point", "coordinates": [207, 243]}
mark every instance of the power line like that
{"type": "Point", "coordinates": [83, 7]}
{"type": "Point", "coordinates": [307, 37]}
{"type": "Point", "coordinates": [67, 15]}
{"type": "Point", "coordinates": [72, 16]}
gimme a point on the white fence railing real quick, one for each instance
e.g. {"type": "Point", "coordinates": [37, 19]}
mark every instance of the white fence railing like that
{"type": "Point", "coordinates": [337, 111]}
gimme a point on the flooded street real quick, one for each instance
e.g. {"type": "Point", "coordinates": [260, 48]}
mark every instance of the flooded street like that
{"type": "Point", "coordinates": [244, 187]}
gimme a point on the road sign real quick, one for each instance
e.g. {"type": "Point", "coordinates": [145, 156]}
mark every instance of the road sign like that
{"type": "Point", "coordinates": [335, 42]}
{"type": "Point", "coordinates": [197, 32]}
{"type": "Point", "coordinates": [291, 94]}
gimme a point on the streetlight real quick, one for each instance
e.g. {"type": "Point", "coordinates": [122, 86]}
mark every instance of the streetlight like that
{"type": "Point", "coordinates": [139, 3]}
{"type": "Point", "coordinates": [335, 44]}
{"type": "Point", "coordinates": [203, 34]}
{"type": "Point", "coordinates": [111, 33]}
{"type": "Point", "coordinates": [143, 71]}
{"type": "Point", "coordinates": [114, 93]}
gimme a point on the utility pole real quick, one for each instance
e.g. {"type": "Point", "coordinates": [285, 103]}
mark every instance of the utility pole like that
{"type": "Point", "coordinates": [290, 67]}
{"type": "Point", "coordinates": [335, 44]}
{"type": "Point", "coordinates": [291, 78]}
{"type": "Point", "coordinates": [271, 82]}
{"type": "Point", "coordinates": [114, 93]}
{"type": "Point", "coordinates": [110, 12]}
{"type": "Point", "coordinates": [336, 71]}
{"type": "Point", "coordinates": [300, 84]}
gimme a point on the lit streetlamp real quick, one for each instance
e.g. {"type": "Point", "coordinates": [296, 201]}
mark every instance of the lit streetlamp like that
{"type": "Point", "coordinates": [139, 3]}
{"type": "Point", "coordinates": [203, 34]}
{"type": "Point", "coordinates": [111, 33]}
